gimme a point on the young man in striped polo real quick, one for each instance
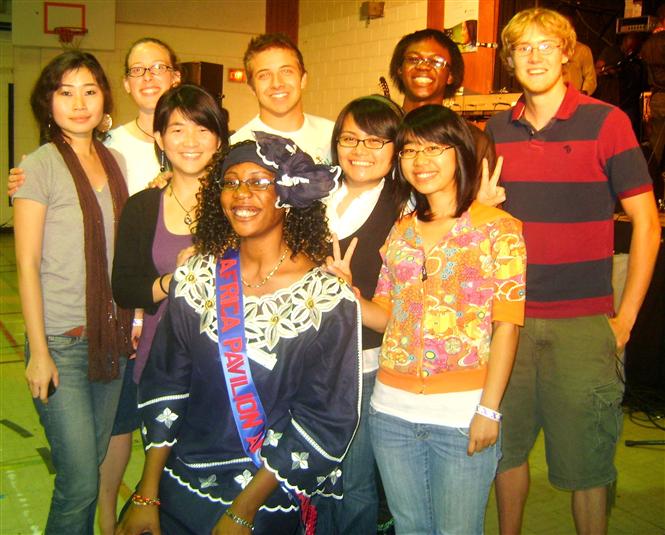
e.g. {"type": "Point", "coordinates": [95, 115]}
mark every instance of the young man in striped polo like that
{"type": "Point", "coordinates": [567, 158]}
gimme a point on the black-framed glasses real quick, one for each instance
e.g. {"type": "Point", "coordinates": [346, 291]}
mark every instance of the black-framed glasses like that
{"type": "Point", "coordinates": [159, 69]}
{"type": "Point", "coordinates": [544, 47]}
{"type": "Point", "coordinates": [252, 184]}
{"type": "Point", "coordinates": [430, 152]}
{"type": "Point", "coordinates": [373, 143]}
{"type": "Point", "coordinates": [435, 62]}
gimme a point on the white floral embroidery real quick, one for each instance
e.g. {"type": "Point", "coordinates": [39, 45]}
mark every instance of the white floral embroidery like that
{"type": "Point", "coordinates": [299, 460]}
{"type": "Point", "coordinates": [167, 417]}
{"type": "Point", "coordinates": [144, 430]}
{"type": "Point", "coordinates": [208, 482]}
{"type": "Point", "coordinates": [268, 319]}
{"type": "Point", "coordinates": [320, 479]}
{"type": "Point", "coordinates": [272, 438]}
{"type": "Point", "coordinates": [335, 475]}
{"type": "Point", "coordinates": [243, 479]}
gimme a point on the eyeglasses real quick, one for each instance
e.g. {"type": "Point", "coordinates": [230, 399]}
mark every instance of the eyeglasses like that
{"type": "Point", "coordinates": [434, 63]}
{"type": "Point", "coordinates": [156, 70]}
{"type": "Point", "coordinates": [252, 184]}
{"type": "Point", "coordinates": [545, 48]}
{"type": "Point", "coordinates": [430, 152]}
{"type": "Point", "coordinates": [373, 143]}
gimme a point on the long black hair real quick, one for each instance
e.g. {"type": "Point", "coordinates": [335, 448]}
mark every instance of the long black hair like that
{"type": "Point", "coordinates": [440, 125]}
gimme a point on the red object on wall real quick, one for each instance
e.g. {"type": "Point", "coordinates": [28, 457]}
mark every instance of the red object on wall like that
{"type": "Point", "coordinates": [282, 16]}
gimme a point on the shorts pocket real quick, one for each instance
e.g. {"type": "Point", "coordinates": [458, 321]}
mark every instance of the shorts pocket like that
{"type": "Point", "coordinates": [609, 417]}
{"type": "Point", "coordinates": [610, 331]}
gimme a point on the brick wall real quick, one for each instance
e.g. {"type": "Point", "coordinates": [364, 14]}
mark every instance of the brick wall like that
{"type": "Point", "coordinates": [345, 55]}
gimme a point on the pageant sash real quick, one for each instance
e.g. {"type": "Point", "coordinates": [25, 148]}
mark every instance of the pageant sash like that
{"type": "Point", "coordinates": [248, 413]}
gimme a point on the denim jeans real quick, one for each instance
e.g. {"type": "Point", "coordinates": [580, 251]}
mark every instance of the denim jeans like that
{"type": "Point", "coordinates": [357, 512]}
{"type": "Point", "coordinates": [432, 485]}
{"type": "Point", "coordinates": [77, 421]}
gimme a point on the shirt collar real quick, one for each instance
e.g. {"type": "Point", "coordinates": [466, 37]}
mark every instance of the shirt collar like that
{"type": "Point", "coordinates": [571, 101]}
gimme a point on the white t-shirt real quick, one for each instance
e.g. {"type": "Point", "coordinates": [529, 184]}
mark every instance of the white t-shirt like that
{"type": "Point", "coordinates": [140, 160]}
{"type": "Point", "coordinates": [313, 136]}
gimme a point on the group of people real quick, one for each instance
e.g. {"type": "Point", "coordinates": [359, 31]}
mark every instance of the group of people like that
{"type": "Point", "coordinates": [310, 299]}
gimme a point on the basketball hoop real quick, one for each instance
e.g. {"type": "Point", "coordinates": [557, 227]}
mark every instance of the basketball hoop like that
{"type": "Point", "coordinates": [70, 36]}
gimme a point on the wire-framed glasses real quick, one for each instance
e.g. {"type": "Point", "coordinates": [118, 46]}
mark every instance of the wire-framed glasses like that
{"type": "Point", "coordinates": [544, 47]}
{"type": "Point", "coordinates": [431, 151]}
{"type": "Point", "coordinates": [159, 69]}
{"type": "Point", "coordinates": [435, 62]}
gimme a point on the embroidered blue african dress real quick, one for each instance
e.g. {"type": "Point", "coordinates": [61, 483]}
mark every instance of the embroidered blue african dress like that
{"type": "Point", "coordinates": [303, 344]}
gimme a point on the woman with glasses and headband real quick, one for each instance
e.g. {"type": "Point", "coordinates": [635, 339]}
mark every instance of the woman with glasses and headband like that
{"type": "Point", "coordinates": [450, 298]}
{"type": "Point", "coordinates": [251, 392]}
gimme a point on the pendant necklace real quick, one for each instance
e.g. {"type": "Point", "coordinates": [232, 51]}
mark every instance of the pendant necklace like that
{"type": "Point", "coordinates": [141, 129]}
{"type": "Point", "coordinates": [188, 218]}
{"type": "Point", "coordinates": [269, 275]}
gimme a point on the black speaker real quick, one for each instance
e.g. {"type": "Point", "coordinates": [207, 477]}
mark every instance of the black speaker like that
{"type": "Point", "coordinates": [210, 76]}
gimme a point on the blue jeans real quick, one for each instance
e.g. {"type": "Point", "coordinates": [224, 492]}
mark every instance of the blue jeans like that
{"type": "Point", "coordinates": [77, 421]}
{"type": "Point", "coordinates": [357, 512]}
{"type": "Point", "coordinates": [432, 485]}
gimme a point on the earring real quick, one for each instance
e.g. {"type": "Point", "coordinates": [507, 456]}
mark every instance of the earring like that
{"type": "Point", "coordinates": [105, 124]}
{"type": "Point", "coordinates": [162, 161]}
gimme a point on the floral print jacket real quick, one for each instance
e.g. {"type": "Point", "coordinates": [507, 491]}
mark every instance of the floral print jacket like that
{"type": "Point", "coordinates": [443, 303]}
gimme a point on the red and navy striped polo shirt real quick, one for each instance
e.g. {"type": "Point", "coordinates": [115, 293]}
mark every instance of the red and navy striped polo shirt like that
{"type": "Point", "coordinates": [563, 182]}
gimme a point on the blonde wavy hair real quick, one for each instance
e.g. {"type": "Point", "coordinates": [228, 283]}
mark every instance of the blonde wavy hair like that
{"type": "Point", "coordinates": [549, 21]}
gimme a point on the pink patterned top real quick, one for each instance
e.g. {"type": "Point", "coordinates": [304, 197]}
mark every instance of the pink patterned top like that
{"type": "Point", "coordinates": [442, 306]}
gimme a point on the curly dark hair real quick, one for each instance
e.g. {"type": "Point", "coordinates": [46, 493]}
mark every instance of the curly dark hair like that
{"type": "Point", "coordinates": [305, 229]}
{"type": "Point", "coordinates": [456, 66]}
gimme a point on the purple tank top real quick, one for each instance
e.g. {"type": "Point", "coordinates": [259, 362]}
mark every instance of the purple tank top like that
{"type": "Point", "coordinates": [165, 249]}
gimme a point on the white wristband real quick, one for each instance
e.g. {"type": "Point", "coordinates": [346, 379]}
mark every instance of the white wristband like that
{"type": "Point", "coordinates": [488, 413]}
{"type": "Point", "coordinates": [137, 322]}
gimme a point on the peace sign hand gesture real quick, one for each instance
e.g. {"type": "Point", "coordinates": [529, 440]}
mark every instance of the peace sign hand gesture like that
{"type": "Point", "coordinates": [341, 265]}
{"type": "Point", "coordinates": [490, 193]}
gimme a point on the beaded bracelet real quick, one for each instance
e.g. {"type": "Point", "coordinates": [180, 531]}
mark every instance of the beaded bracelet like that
{"type": "Point", "coordinates": [238, 520]}
{"type": "Point", "coordinates": [161, 285]}
{"type": "Point", "coordinates": [488, 413]}
{"type": "Point", "coordinates": [137, 499]}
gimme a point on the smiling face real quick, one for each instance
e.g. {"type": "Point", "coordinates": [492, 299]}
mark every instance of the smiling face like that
{"type": "Point", "coordinates": [188, 145]}
{"type": "Point", "coordinates": [424, 84]}
{"type": "Point", "coordinates": [537, 73]}
{"type": "Point", "coordinates": [430, 175]}
{"type": "Point", "coordinates": [277, 82]}
{"type": "Point", "coordinates": [252, 214]}
{"type": "Point", "coordinates": [145, 90]}
{"type": "Point", "coordinates": [77, 105]}
{"type": "Point", "coordinates": [360, 164]}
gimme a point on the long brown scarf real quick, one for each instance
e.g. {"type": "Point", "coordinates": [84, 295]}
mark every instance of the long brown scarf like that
{"type": "Point", "coordinates": [108, 327]}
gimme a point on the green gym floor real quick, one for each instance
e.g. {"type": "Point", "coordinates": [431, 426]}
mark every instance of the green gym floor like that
{"type": "Point", "coordinates": [26, 476]}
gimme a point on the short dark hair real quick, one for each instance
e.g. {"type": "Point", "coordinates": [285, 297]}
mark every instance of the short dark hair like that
{"type": "Point", "coordinates": [196, 104]}
{"type": "Point", "coordinates": [50, 80]}
{"type": "Point", "coordinates": [173, 59]}
{"type": "Point", "coordinates": [375, 114]}
{"type": "Point", "coordinates": [266, 41]}
{"type": "Point", "coordinates": [441, 125]}
{"type": "Point", "coordinates": [456, 66]}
